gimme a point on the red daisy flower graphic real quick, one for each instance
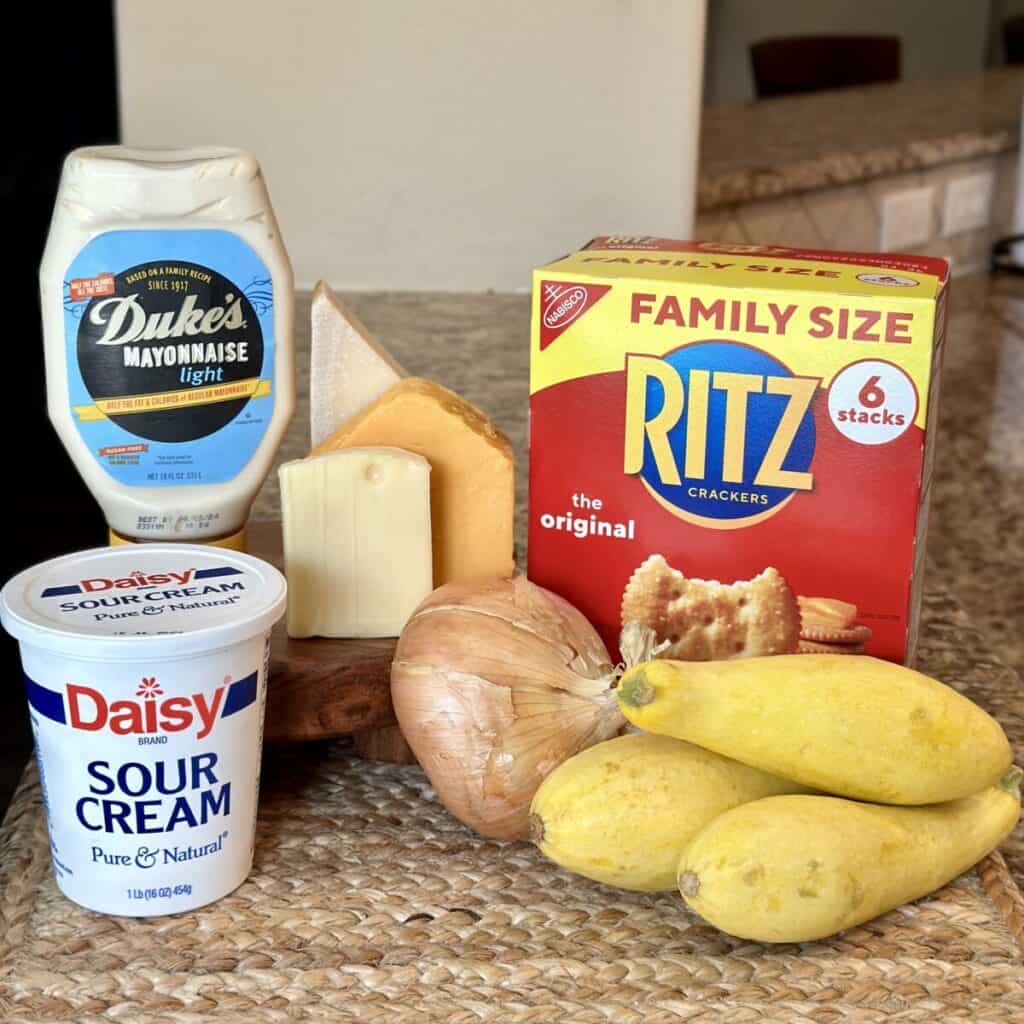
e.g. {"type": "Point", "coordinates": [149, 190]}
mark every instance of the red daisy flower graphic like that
{"type": "Point", "coordinates": [149, 688]}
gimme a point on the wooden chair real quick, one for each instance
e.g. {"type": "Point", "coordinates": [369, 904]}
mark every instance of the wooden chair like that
{"type": "Point", "coordinates": [809, 63]}
{"type": "Point", "coordinates": [1013, 39]}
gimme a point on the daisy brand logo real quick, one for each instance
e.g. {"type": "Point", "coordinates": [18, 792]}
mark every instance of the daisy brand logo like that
{"type": "Point", "coordinates": [88, 709]}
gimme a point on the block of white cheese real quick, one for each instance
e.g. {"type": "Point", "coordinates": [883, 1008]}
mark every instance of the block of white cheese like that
{"type": "Point", "coordinates": [349, 368]}
{"type": "Point", "coordinates": [357, 547]}
{"type": "Point", "coordinates": [472, 483]}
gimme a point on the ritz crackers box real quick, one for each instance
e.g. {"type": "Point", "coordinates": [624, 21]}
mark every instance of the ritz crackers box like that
{"type": "Point", "coordinates": [733, 408]}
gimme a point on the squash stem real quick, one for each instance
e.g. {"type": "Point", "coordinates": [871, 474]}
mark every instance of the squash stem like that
{"type": "Point", "coordinates": [1011, 781]}
{"type": "Point", "coordinates": [689, 883]}
{"type": "Point", "coordinates": [636, 691]}
{"type": "Point", "coordinates": [536, 829]}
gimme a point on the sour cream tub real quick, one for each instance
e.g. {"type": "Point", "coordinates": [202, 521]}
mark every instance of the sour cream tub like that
{"type": "Point", "coordinates": [146, 671]}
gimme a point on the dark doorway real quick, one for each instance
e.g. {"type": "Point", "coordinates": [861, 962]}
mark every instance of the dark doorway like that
{"type": "Point", "coordinates": [58, 97]}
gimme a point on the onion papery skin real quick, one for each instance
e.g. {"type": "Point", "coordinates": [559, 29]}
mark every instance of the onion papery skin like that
{"type": "Point", "coordinates": [495, 683]}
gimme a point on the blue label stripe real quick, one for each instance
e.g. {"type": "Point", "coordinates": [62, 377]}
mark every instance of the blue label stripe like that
{"type": "Point", "coordinates": [240, 695]}
{"type": "Point", "coordinates": [49, 703]}
{"type": "Point", "coordinates": [206, 574]}
{"type": "Point", "coordinates": [61, 591]}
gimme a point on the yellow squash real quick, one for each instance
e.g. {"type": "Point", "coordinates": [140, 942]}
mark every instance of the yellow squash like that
{"type": "Point", "coordinates": [797, 868]}
{"type": "Point", "coordinates": [622, 811]}
{"type": "Point", "coordinates": [850, 725]}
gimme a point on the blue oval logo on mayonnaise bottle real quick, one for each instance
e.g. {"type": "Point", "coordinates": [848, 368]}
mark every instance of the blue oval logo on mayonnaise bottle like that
{"type": "Point", "coordinates": [145, 671]}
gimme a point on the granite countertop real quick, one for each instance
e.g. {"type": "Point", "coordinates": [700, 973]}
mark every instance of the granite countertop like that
{"type": "Point", "coordinates": [367, 901]}
{"type": "Point", "coordinates": [795, 144]}
{"type": "Point", "coordinates": [976, 534]}
{"type": "Point", "coordinates": [477, 345]}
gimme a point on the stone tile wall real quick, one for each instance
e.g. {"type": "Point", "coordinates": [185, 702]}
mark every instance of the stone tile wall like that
{"type": "Point", "coordinates": [849, 216]}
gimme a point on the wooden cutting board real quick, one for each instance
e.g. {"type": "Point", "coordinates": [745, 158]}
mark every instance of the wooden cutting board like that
{"type": "Point", "coordinates": [320, 689]}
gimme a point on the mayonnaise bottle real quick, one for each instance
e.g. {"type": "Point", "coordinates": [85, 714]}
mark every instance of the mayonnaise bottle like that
{"type": "Point", "coordinates": [168, 308]}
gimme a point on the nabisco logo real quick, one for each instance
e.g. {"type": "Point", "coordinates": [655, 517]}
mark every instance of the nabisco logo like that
{"type": "Point", "coordinates": [564, 305]}
{"type": "Point", "coordinates": [90, 711]}
{"type": "Point", "coordinates": [124, 319]}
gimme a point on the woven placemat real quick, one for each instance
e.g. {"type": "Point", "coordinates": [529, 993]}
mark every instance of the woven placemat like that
{"type": "Point", "coordinates": [368, 902]}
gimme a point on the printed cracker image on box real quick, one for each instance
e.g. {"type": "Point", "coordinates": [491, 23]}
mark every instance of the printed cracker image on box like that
{"type": "Point", "coordinates": [704, 620]}
{"type": "Point", "coordinates": [734, 442]}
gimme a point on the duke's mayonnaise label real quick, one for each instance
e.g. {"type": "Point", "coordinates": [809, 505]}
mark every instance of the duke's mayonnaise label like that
{"type": "Point", "coordinates": [168, 307]}
{"type": "Point", "coordinates": [169, 340]}
{"type": "Point", "coordinates": [733, 409]}
{"type": "Point", "coordinates": [145, 672]}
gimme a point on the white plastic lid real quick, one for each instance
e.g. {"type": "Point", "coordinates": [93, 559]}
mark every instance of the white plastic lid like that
{"type": "Point", "coordinates": [150, 600]}
{"type": "Point", "coordinates": [166, 182]}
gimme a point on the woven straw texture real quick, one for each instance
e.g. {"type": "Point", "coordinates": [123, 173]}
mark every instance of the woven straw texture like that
{"type": "Point", "coordinates": [369, 903]}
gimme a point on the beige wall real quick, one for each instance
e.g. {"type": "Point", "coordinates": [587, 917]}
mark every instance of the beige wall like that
{"type": "Point", "coordinates": [450, 144]}
{"type": "Point", "coordinates": [941, 38]}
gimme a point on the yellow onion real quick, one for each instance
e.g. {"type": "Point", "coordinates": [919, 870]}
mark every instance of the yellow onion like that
{"type": "Point", "coordinates": [495, 683]}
